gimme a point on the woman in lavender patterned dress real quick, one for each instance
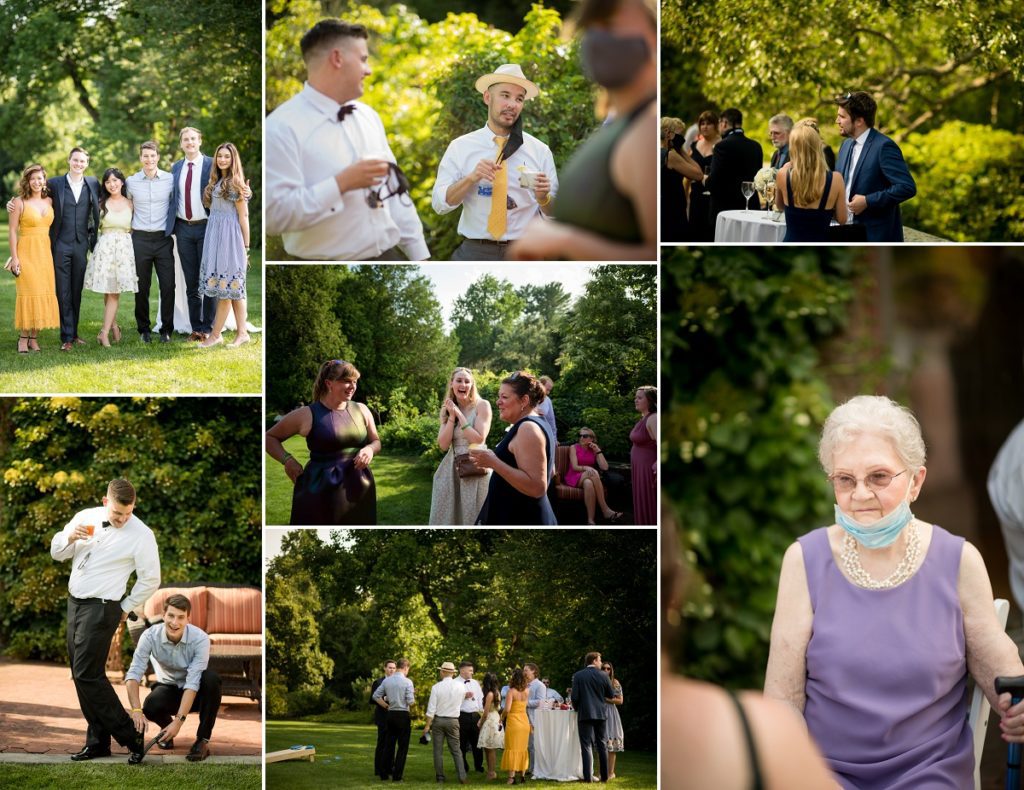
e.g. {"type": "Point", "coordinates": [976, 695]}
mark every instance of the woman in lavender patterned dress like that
{"type": "Point", "coordinates": [881, 617]}
{"type": "Point", "coordinates": [614, 737]}
{"type": "Point", "coordinates": [226, 248]}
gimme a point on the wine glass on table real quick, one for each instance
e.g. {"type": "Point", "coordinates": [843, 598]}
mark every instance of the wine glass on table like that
{"type": "Point", "coordinates": [747, 188]}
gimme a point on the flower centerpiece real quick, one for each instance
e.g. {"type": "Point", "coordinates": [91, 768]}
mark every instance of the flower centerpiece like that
{"type": "Point", "coordinates": [764, 177]}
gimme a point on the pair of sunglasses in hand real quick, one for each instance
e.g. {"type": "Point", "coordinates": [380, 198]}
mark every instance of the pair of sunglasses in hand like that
{"type": "Point", "coordinates": [395, 183]}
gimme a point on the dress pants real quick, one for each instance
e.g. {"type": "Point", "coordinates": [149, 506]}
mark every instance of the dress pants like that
{"type": "Point", "coordinates": [154, 250]}
{"type": "Point", "coordinates": [445, 729]}
{"type": "Point", "coordinates": [396, 747]}
{"type": "Point", "coordinates": [201, 309]}
{"type": "Point", "coordinates": [476, 250]}
{"type": "Point", "coordinates": [382, 736]}
{"type": "Point", "coordinates": [69, 261]}
{"type": "Point", "coordinates": [591, 735]}
{"type": "Point", "coordinates": [161, 706]}
{"type": "Point", "coordinates": [91, 626]}
{"type": "Point", "coordinates": [468, 734]}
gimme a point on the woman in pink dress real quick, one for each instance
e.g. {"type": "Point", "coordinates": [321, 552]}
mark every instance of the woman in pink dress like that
{"type": "Point", "coordinates": [585, 458]}
{"type": "Point", "coordinates": [644, 457]}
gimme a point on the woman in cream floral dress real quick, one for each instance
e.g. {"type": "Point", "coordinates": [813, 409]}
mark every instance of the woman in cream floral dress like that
{"type": "Point", "coordinates": [491, 737]}
{"type": "Point", "coordinates": [111, 267]}
{"type": "Point", "coordinates": [465, 419]}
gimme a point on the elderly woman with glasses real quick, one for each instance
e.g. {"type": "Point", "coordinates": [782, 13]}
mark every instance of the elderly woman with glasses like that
{"type": "Point", "coordinates": [585, 459]}
{"type": "Point", "coordinates": [881, 617]}
{"type": "Point", "coordinates": [336, 486]}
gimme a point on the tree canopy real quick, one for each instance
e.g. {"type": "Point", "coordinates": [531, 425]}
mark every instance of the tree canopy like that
{"type": "Point", "coordinates": [499, 598]}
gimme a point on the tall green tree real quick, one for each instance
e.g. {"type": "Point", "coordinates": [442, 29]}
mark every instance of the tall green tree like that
{"type": "Point", "coordinates": [489, 306]}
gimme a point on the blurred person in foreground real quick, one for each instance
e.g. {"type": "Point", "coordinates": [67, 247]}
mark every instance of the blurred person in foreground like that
{"type": "Point", "coordinates": [1006, 490]}
{"type": "Point", "coordinates": [606, 207]}
{"type": "Point", "coordinates": [719, 738]}
{"type": "Point", "coordinates": [881, 617]}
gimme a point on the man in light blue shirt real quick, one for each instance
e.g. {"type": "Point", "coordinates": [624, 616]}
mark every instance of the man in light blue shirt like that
{"type": "Point", "coordinates": [400, 695]}
{"type": "Point", "coordinates": [180, 655]}
{"type": "Point", "coordinates": [551, 693]}
{"type": "Point", "coordinates": [538, 692]}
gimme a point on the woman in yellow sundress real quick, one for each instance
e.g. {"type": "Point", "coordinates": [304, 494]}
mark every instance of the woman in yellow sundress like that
{"type": "Point", "coordinates": [516, 757]}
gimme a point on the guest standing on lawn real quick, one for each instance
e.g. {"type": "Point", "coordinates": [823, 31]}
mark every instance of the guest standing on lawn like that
{"type": "Point", "coordinates": [111, 269]}
{"type": "Point", "coordinates": [614, 737]}
{"type": "Point", "coordinates": [491, 737]}
{"type": "Point", "coordinates": [102, 559]}
{"type": "Point", "coordinates": [516, 757]}
{"type": "Point", "coordinates": [643, 458]}
{"type": "Point", "coordinates": [336, 487]}
{"type": "Point", "coordinates": [180, 653]}
{"type": "Point", "coordinates": [396, 695]}
{"type": "Point", "coordinates": [226, 247]}
{"type": "Point", "coordinates": [35, 302]}
{"type": "Point", "coordinates": [460, 486]}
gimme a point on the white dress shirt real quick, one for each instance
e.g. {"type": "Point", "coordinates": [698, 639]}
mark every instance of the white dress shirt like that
{"type": "Point", "coordinates": [76, 186]}
{"type": "Point", "coordinates": [461, 159]}
{"type": "Point", "coordinates": [101, 565]}
{"type": "Point", "coordinates": [306, 147]}
{"type": "Point", "coordinates": [474, 705]}
{"type": "Point", "coordinates": [198, 209]}
{"type": "Point", "coordinates": [446, 699]}
{"type": "Point", "coordinates": [858, 146]}
{"type": "Point", "coordinates": [178, 663]}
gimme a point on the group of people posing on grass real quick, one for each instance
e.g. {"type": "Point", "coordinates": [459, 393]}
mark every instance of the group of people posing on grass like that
{"type": "Point", "coordinates": [473, 484]}
{"type": "Point", "coordinates": [71, 232]}
{"type": "Point", "coordinates": [479, 719]}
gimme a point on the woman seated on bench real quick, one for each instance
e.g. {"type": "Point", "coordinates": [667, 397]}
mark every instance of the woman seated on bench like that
{"type": "Point", "coordinates": [585, 458]}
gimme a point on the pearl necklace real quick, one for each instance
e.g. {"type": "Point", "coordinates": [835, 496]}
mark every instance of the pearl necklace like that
{"type": "Point", "coordinates": [903, 571]}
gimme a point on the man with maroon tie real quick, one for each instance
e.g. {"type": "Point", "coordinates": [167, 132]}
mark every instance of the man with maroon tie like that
{"type": "Point", "coordinates": [186, 219]}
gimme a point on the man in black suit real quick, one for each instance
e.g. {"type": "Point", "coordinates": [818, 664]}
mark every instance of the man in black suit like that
{"type": "Point", "coordinates": [186, 219]}
{"type": "Point", "coordinates": [590, 689]}
{"type": "Point", "coordinates": [736, 159]}
{"type": "Point", "coordinates": [380, 718]}
{"type": "Point", "coordinates": [76, 222]}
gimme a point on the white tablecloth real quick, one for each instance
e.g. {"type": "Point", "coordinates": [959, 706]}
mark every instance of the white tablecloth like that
{"type": "Point", "coordinates": [556, 746]}
{"type": "Point", "coordinates": [749, 227]}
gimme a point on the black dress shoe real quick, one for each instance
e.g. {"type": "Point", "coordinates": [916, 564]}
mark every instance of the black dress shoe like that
{"type": "Point", "coordinates": [90, 753]}
{"type": "Point", "coordinates": [137, 748]}
{"type": "Point", "coordinates": [200, 751]}
{"type": "Point", "coordinates": [146, 337]}
{"type": "Point", "coordinates": [165, 745]}
{"type": "Point", "coordinates": [165, 337]}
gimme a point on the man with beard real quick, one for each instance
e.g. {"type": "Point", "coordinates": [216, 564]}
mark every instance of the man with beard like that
{"type": "Point", "coordinates": [501, 176]}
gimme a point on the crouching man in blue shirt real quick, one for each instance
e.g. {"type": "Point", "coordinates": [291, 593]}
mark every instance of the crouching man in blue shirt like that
{"type": "Point", "coordinates": [180, 654]}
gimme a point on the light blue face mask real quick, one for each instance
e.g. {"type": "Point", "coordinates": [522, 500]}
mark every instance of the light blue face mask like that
{"type": "Point", "coordinates": [881, 533]}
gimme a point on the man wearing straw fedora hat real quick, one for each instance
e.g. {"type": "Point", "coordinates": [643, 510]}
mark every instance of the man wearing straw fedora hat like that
{"type": "Point", "coordinates": [443, 717]}
{"type": "Point", "coordinates": [501, 176]}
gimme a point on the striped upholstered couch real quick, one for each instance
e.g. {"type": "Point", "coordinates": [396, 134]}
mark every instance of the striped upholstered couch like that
{"type": "Point", "coordinates": [233, 618]}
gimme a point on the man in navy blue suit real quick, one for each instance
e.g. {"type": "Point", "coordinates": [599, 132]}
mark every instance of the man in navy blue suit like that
{"type": "Point", "coordinates": [876, 175]}
{"type": "Point", "coordinates": [186, 219]}
{"type": "Point", "coordinates": [591, 688]}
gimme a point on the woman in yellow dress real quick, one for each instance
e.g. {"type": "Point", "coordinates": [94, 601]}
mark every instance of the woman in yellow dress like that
{"type": "Point", "coordinates": [35, 305]}
{"type": "Point", "coordinates": [516, 757]}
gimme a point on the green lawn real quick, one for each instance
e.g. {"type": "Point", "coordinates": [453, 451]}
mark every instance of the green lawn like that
{"type": "Point", "coordinates": [83, 776]}
{"type": "Point", "coordinates": [130, 366]}
{"type": "Point", "coordinates": [344, 758]}
{"type": "Point", "coordinates": [403, 487]}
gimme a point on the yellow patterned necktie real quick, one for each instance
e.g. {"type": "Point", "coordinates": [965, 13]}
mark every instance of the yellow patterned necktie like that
{"type": "Point", "coordinates": [497, 222]}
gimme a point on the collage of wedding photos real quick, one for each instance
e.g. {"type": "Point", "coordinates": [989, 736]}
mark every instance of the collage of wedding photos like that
{"type": "Point", "coordinates": [386, 388]}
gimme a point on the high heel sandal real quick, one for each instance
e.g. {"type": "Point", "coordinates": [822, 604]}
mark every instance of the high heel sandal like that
{"type": "Point", "coordinates": [33, 344]}
{"type": "Point", "coordinates": [116, 331]}
{"type": "Point", "coordinates": [20, 339]}
{"type": "Point", "coordinates": [101, 338]}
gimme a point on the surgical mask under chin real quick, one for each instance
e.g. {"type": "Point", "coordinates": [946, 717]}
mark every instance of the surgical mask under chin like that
{"type": "Point", "coordinates": [882, 532]}
{"type": "Point", "coordinates": [612, 61]}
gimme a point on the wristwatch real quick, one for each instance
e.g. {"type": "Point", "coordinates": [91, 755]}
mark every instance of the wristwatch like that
{"type": "Point", "coordinates": [182, 717]}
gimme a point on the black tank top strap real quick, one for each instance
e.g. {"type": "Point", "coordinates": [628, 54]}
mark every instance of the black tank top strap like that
{"type": "Point", "coordinates": [789, 187]}
{"type": "Point", "coordinates": [828, 188]}
{"type": "Point", "coordinates": [755, 766]}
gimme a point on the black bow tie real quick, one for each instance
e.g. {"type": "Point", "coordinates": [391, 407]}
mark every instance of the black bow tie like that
{"type": "Point", "coordinates": [345, 110]}
{"type": "Point", "coordinates": [105, 524]}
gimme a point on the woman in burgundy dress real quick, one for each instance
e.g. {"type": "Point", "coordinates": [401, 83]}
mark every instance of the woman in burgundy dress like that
{"type": "Point", "coordinates": [643, 458]}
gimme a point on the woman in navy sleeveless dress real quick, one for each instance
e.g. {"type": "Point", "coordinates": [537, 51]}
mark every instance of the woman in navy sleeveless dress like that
{"type": "Point", "coordinates": [522, 461]}
{"type": "Point", "coordinates": [336, 486]}
{"type": "Point", "coordinates": [819, 191]}
{"type": "Point", "coordinates": [877, 614]}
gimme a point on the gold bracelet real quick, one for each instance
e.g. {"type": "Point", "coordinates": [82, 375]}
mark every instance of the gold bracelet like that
{"type": "Point", "coordinates": [547, 200]}
{"type": "Point", "coordinates": [136, 710]}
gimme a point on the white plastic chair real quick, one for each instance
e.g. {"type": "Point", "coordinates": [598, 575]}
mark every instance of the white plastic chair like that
{"type": "Point", "coordinates": [980, 706]}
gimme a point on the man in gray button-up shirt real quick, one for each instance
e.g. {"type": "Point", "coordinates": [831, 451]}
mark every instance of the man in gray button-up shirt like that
{"type": "Point", "coordinates": [400, 697]}
{"type": "Point", "coordinates": [180, 654]}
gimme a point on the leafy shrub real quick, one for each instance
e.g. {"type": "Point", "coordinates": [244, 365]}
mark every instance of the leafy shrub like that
{"type": "Point", "coordinates": [968, 182]}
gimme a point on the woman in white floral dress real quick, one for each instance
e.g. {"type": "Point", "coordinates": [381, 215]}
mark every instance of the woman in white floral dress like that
{"type": "Point", "coordinates": [465, 420]}
{"type": "Point", "coordinates": [111, 267]}
{"type": "Point", "coordinates": [491, 737]}
{"type": "Point", "coordinates": [614, 737]}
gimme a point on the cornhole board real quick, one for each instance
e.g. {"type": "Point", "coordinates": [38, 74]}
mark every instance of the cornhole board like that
{"type": "Point", "coordinates": [294, 753]}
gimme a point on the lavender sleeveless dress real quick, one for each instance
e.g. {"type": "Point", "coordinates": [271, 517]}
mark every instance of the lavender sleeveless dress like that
{"type": "Point", "coordinates": [887, 673]}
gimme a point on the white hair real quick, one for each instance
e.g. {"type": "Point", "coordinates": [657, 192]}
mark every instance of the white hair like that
{"type": "Point", "coordinates": [872, 414]}
{"type": "Point", "coordinates": [782, 120]}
